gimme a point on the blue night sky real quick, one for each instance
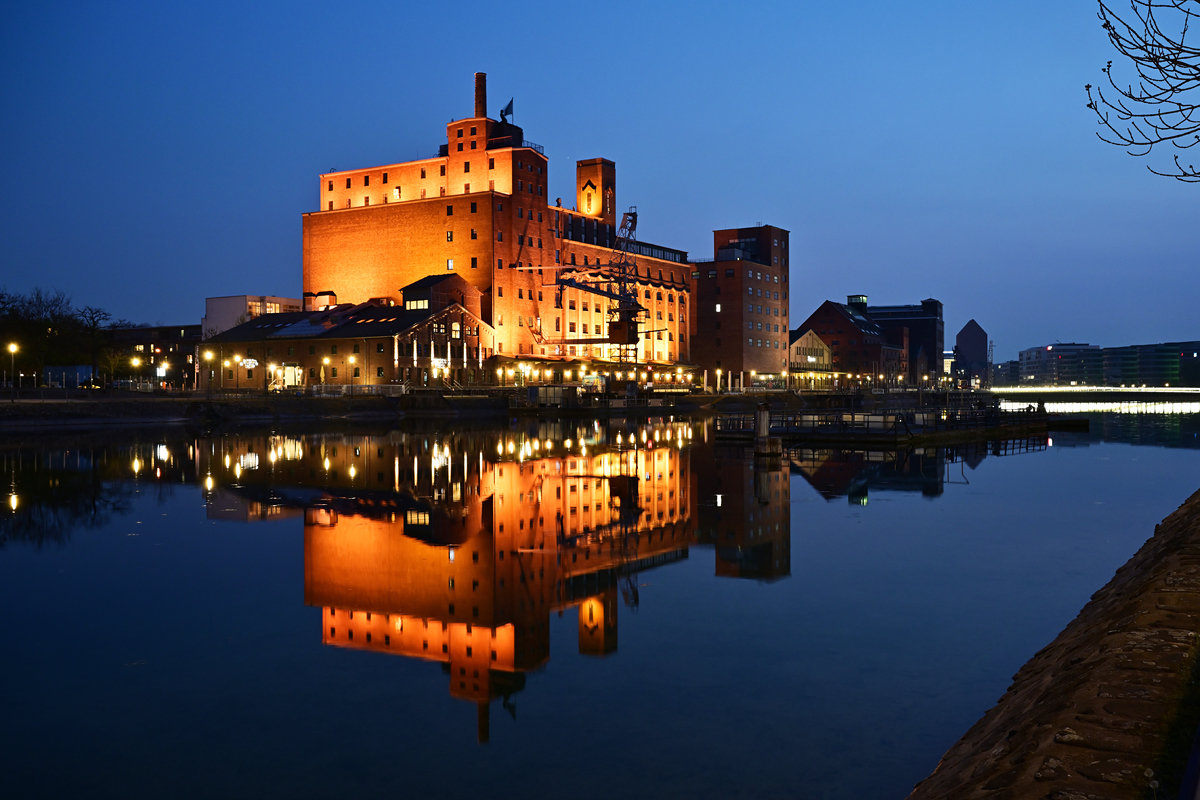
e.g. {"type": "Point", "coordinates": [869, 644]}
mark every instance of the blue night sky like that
{"type": "Point", "coordinates": [160, 153]}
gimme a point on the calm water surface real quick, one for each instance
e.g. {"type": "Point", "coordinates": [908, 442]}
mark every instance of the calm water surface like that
{"type": "Point", "coordinates": [465, 613]}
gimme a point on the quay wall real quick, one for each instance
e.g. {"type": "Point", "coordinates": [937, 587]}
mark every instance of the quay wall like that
{"type": "Point", "coordinates": [1103, 710]}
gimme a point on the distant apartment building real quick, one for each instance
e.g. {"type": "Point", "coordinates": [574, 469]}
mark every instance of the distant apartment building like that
{"type": "Point", "coordinates": [741, 297]}
{"type": "Point", "coordinates": [223, 313]}
{"type": "Point", "coordinates": [1063, 364]}
{"type": "Point", "coordinates": [1006, 373]}
{"type": "Point", "coordinates": [164, 354]}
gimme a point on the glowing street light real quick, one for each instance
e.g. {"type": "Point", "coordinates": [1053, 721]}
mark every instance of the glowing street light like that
{"type": "Point", "coordinates": [12, 358]}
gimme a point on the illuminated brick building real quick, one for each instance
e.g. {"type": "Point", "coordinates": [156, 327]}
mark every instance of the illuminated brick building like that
{"type": "Point", "coordinates": [480, 209]}
{"type": "Point", "coordinates": [741, 299]}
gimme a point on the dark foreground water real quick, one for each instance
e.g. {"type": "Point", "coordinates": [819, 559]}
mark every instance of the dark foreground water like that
{"type": "Point", "coordinates": [539, 611]}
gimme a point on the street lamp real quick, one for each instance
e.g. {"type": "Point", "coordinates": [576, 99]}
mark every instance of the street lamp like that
{"type": "Point", "coordinates": [351, 374]}
{"type": "Point", "coordinates": [208, 357]}
{"type": "Point", "coordinates": [237, 372]}
{"type": "Point", "coordinates": [12, 358]}
{"type": "Point", "coordinates": [325, 361]}
{"type": "Point", "coordinates": [136, 362]}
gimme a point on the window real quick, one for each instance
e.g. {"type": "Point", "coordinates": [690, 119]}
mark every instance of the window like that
{"type": "Point", "coordinates": [422, 172]}
{"type": "Point", "coordinates": [331, 186]}
{"type": "Point", "coordinates": [449, 264]}
{"type": "Point", "coordinates": [491, 163]}
{"type": "Point", "coordinates": [379, 347]}
{"type": "Point", "coordinates": [466, 166]}
{"type": "Point", "coordinates": [474, 235]}
{"type": "Point", "coordinates": [442, 170]}
{"type": "Point", "coordinates": [312, 372]}
{"type": "Point", "coordinates": [449, 236]}
{"type": "Point", "coordinates": [718, 308]}
{"type": "Point", "coordinates": [474, 261]}
{"type": "Point", "coordinates": [333, 350]}
{"type": "Point", "coordinates": [385, 177]}
{"type": "Point", "coordinates": [500, 291]}
{"type": "Point", "coordinates": [499, 263]}
{"type": "Point", "coordinates": [347, 183]}
{"type": "Point", "coordinates": [728, 273]}
{"type": "Point", "coordinates": [449, 211]}
{"type": "Point", "coordinates": [312, 350]}
{"type": "Point", "coordinates": [366, 180]}
{"type": "Point", "coordinates": [473, 208]}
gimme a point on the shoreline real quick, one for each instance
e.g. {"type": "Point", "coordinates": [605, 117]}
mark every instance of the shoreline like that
{"type": "Point", "coordinates": [1107, 706]}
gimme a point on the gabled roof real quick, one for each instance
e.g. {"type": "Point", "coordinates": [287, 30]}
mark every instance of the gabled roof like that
{"type": "Point", "coordinates": [367, 320]}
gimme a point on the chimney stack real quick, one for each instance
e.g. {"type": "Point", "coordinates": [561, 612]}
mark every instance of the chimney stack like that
{"type": "Point", "coordinates": [481, 94]}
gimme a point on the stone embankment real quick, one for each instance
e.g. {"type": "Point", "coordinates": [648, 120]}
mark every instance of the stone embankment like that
{"type": "Point", "coordinates": [1106, 710]}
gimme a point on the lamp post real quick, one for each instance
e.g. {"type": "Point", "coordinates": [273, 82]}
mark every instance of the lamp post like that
{"type": "Point", "coordinates": [12, 359]}
{"type": "Point", "coordinates": [324, 361]}
{"type": "Point", "coordinates": [237, 372]}
{"type": "Point", "coordinates": [208, 357]}
{"type": "Point", "coordinates": [136, 362]}
{"type": "Point", "coordinates": [351, 374]}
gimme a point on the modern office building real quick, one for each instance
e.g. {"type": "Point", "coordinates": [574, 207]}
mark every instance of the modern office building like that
{"type": "Point", "coordinates": [741, 306]}
{"type": "Point", "coordinates": [1062, 364]}
{"type": "Point", "coordinates": [482, 209]}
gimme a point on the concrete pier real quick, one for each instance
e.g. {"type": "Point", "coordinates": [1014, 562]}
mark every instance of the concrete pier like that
{"type": "Point", "coordinates": [1097, 713]}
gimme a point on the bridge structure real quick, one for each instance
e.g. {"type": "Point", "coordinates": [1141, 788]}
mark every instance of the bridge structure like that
{"type": "Point", "coordinates": [1100, 398]}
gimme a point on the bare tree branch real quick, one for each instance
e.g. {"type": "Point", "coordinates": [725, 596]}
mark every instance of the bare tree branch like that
{"type": "Point", "coordinates": [1163, 105]}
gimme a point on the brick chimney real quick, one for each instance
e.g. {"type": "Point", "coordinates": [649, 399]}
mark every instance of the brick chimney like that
{"type": "Point", "coordinates": [481, 95]}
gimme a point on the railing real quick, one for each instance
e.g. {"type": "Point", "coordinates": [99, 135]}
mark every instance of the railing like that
{"type": "Point", "coordinates": [899, 422]}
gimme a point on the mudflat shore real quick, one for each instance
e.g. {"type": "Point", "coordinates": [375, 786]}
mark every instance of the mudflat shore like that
{"type": "Point", "coordinates": [1109, 709]}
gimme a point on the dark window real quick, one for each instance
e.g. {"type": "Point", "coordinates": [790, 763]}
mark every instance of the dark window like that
{"type": "Point", "coordinates": [334, 372]}
{"type": "Point", "coordinates": [312, 350]}
{"type": "Point", "coordinates": [348, 183]}
{"type": "Point", "coordinates": [473, 208]}
{"type": "Point", "coordinates": [472, 131]}
{"type": "Point", "coordinates": [356, 372]}
{"type": "Point", "coordinates": [442, 169]}
{"type": "Point", "coordinates": [460, 130]}
{"type": "Point", "coordinates": [379, 347]}
{"type": "Point", "coordinates": [385, 177]}
{"type": "Point", "coordinates": [474, 235]}
{"type": "Point", "coordinates": [355, 348]}
{"type": "Point", "coordinates": [459, 150]}
{"type": "Point", "coordinates": [331, 186]}
{"type": "Point", "coordinates": [474, 262]}
{"type": "Point", "coordinates": [366, 180]}
{"type": "Point", "coordinates": [333, 350]}
{"type": "Point", "coordinates": [466, 166]}
{"type": "Point", "coordinates": [491, 163]}
{"type": "Point", "coordinates": [449, 211]}
{"type": "Point", "coordinates": [422, 172]}
{"type": "Point", "coordinates": [379, 372]}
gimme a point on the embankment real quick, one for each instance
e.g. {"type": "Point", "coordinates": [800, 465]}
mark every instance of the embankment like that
{"type": "Point", "coordinates": [29, 415]}
{"type": "Point", "coordinates": [1107, 707]}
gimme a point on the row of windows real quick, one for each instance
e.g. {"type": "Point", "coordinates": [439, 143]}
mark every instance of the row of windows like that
{"type": "Point", "coordinates": [769, 343]}
{"type": "Point", "coordinates": [750, 326]}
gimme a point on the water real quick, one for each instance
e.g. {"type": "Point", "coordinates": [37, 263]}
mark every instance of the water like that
{"type": "Point", "coordinates": [826, 629]}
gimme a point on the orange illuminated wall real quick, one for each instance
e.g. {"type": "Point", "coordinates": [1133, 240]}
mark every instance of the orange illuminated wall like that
{"type": "Point", "coordinates": [480, 209]}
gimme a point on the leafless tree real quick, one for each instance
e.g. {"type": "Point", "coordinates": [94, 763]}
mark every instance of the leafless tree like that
{"type": "Point", "coordinates": [1163, 105]}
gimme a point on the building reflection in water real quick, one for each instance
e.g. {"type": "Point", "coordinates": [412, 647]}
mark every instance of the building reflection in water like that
{"type": "Point", "coordinates": [458, 548]}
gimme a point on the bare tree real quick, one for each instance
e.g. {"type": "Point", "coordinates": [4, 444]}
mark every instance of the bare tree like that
{"type": "Point", "coordinates": [92, 320]}
{"type": "Point", "coordinates": [1163, 105]}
